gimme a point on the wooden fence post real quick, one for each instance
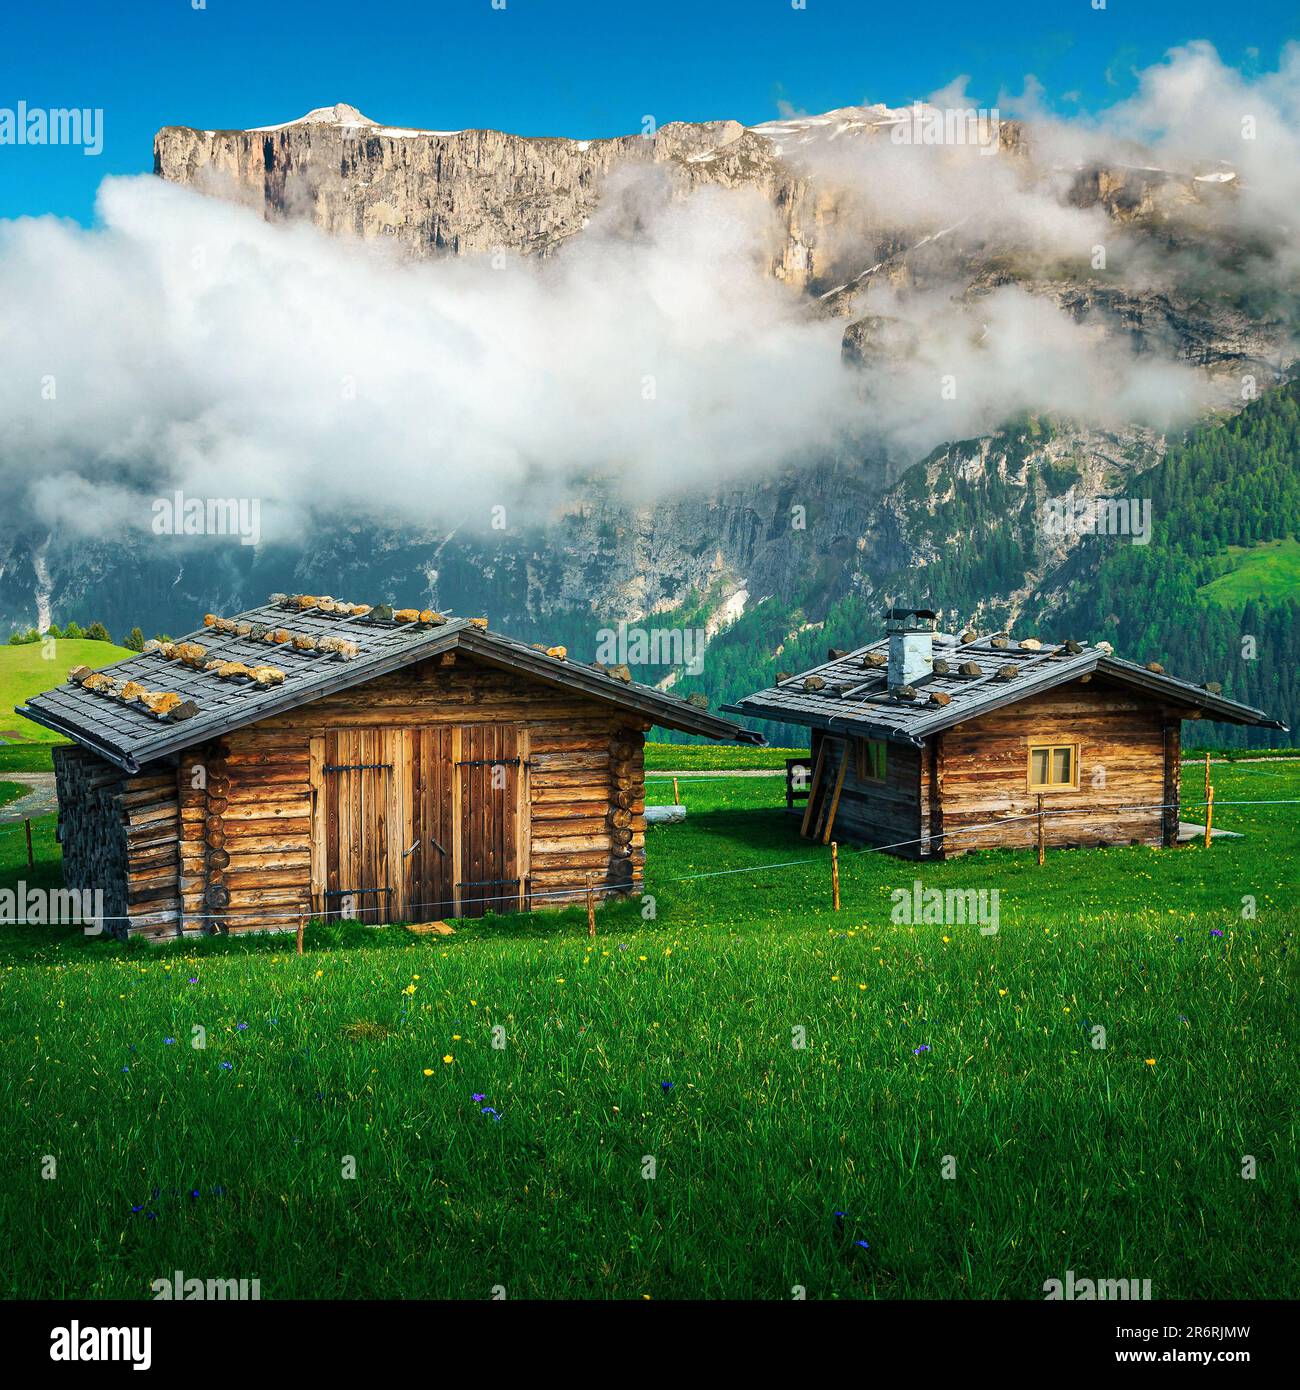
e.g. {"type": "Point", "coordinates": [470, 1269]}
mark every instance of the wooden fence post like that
{"type": "Point", "coordinates": [591, 906]}
{"type": "Point", "coordinates": [1207, 775]}
{"type": "Point", "coordinates": [677, 796]}
{"type": "Point", "coordinates": [31, 862]}
{"type": "Point", "coordinates": [1209, 815]}
{"type": "Point", "coordinates": [302, 923]}
{"type": "Point", "coordinates": [835, 874]}
{"type": "Point", "coordinates": [1040, 827]}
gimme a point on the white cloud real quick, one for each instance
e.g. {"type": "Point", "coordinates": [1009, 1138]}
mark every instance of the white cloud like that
{"type": "Point", "coordinates": [192, 345]}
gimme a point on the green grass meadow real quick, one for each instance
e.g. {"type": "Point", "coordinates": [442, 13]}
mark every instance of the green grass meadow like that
{"type": "Point", "coordinates": [1269, 570]}
{"type": "Point", "coordinates": [33, 667]}
{"type": "Point", "coordinates": [704, 757]}
{"type": "Point", "coordinates": [666, 1045]}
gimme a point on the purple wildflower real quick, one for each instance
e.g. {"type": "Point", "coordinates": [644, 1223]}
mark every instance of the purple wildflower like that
{"type": "Point", "coordinates": [477, 1097]}
{"type": "Point", "coordinates": [916, 1051]}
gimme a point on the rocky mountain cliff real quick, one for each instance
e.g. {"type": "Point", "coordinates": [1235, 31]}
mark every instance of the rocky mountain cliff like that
{"type": "Point", "coordinates": [473, 191]}
{"type": "Point", "coordinates": [711, 555]}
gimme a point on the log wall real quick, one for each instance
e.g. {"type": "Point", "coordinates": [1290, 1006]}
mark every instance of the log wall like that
{"type": "Point", "coordinates": [253, 849]}
{"type": "Point", "coordinates": [979, 774]}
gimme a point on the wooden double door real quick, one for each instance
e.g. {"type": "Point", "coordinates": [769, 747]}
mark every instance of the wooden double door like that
{"type": "Point", "coordinates": [411, 825]}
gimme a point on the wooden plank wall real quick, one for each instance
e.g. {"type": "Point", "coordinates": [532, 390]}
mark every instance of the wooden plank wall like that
{"type": "Point", "coordinates": [581, 811]}
{"type": "Point", "coordinates": [876, 813]}
{"type": "Point", "coordinates": [363, 779]}
{"type": "Point", "coordinates": [983, 771]}
{"type": "Point", "coordinates": [490, 873]}
{"type": "Point", "coordinates": [430, 872]}
{"type": "Point", "coordinates": [1173, 735]}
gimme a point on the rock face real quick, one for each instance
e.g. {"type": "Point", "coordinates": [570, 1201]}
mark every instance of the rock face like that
{"type": "Point", "coordinates": [473, 190]}
{"type": "Point", "coordinates": [483, 191]}
{"type": "Point", "coordinates": [872, 523]}
{"type": "Point", "coordinates": [468, 191]}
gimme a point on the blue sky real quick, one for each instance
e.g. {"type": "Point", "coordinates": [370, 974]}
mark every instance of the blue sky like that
{"type": "Point", "coordinates": [557, 67]}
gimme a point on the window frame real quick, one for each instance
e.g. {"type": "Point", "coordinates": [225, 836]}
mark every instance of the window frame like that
{"type": "Point", "coordinates": [864, 761]}
{"type": "Point", "coordinates": [1051, 746]}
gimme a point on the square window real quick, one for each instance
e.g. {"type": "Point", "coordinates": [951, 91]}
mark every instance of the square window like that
{"type": "Point", "coordinates": [1053, 765]}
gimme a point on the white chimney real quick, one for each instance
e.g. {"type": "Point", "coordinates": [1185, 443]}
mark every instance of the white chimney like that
{"type": "Point", "coordinates": [911, 644]}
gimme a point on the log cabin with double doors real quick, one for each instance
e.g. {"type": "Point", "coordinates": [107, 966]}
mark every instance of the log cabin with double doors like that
{"type": "Point", "coordinates": [930, 744]}
{"type": "Point", "coordinates": [312, 758]}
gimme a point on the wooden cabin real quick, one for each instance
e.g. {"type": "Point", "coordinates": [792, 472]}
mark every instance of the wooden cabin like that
{"type": "Point", "coordinates": [312, 758]}
{"type": "Point", "coordinates": [930, 744]}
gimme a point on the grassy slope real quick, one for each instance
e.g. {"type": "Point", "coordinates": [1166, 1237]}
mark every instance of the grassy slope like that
{"type": "Point", "coordinates": [689, 757]}
{"type": "Point", "coordinates": [11, 791]}
{"type": "Point", "coordinates": [1269, 571]}
{"type": "Point", "coordinates": [1066, 1156]}
{"type": "Point", "coordinates": [26, 757]}
{"type": "Point", "coordinates": [27, 670]}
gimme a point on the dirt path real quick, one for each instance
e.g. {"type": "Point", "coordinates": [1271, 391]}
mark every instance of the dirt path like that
{"type": "Point", "coordinates": [40, 801]}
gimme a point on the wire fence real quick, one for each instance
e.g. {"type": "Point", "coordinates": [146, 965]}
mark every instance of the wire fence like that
{"type": "Point", "coordinates": [576, 891]}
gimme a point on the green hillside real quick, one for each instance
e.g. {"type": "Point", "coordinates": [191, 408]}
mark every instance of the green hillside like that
{"type": "Point", "coordinates": [1269, 571]}
{"type": "Point", "coordinates": [1214, 595]}
{"type": "Point", "coordinates": [28, 669]}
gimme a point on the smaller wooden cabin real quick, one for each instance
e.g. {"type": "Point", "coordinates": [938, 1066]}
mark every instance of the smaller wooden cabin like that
{"type": "Point", "coordinates": [314, 758]}
{"type": "Point", "coordinates": [930, 744]}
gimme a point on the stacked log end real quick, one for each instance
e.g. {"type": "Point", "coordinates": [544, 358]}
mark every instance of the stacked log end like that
{"type": "Point", "coordinates": [191, 780]}
{"type": "Point", "coordinates": [216, 858]}
{"type": "Point", "coordinates": [627, 808]}
{"type": "Point", "coordinates": [119, 838]}
{"type": "Point", "coordinates": [90, 828]}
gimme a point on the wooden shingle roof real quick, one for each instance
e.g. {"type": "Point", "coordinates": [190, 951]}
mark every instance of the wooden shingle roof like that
{"type": "Point", "coordinates": [850, 695]}
{"type": "Point", "coordinates": [129, 735]}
